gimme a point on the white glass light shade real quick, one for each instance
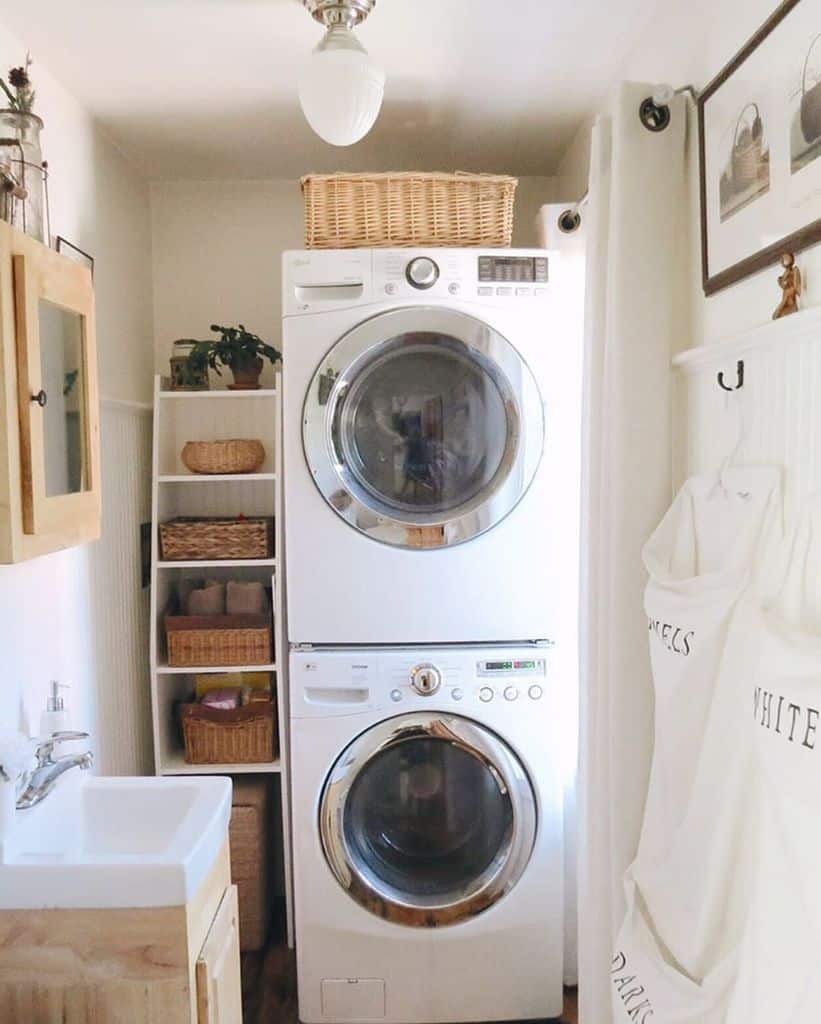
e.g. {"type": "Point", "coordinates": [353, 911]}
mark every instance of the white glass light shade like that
{"type": "Point", "coordinates": [341, 89]}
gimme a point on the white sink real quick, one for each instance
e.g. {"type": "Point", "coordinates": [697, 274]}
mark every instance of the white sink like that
{"type": "Point", "coordinates": [115, 842]}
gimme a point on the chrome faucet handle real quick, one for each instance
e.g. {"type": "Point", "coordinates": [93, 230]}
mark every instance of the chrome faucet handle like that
{"type": "Point", "coordinates": [45, 749]}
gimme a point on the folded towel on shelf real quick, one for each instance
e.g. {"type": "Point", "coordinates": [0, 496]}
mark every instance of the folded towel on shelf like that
{"type": "Point", "coordinates": [243, 598]}
{"type": "Point", "coordinates": [208, 598]}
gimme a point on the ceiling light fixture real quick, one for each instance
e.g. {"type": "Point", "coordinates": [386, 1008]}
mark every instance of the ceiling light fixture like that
{"type": "Point", "coordinates": [341, 88]}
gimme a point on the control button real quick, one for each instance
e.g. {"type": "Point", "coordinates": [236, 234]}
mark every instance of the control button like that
{"type": "Point", "coordinates": [535, 692]}
{"type": "Point", "coordinates": [504, 291]}
{"type": "Point", "coordinates": [485, 694]}
{"type": "Point", "coordinates": [523, 291]}
{"type": "Point", "coordinates": [390, 288]}
{"type": "Point", "coordinates": [484, 290]}
{"type": "Point", "coordinates": [396, 696]}
{"type": "Point", "coordinates": [511, 693]}
{"type": "Point", "coordinates": [540, 291]}
{"type": "Point", "coordinates": [454, 288]}
{"type": "Point", "coordinates": [426, 679]}
{"type": "Point", "coordinates": [422, 272]}
{"type": "Point", "coordinates": [457, 693]}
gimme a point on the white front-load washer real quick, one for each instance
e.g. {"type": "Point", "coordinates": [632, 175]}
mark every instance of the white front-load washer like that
{"type": "Point", "coordinates": [427, 829]}
{"type": "Point", "coordinates": [429, 400]}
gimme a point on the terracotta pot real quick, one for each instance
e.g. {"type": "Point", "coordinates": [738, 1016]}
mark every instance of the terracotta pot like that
{"type": "Point", "coordinates": [246, 375]}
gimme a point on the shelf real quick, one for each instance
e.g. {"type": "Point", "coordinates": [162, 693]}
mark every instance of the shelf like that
{"type": "Point", "coordinates": [220, 563]}
{"type": "Point", "coordinates": [210, 478]}
{"type": "Point", "coordinates": [167, 670]}
{"type": "Point", "coordinates": [220, 393]}
{"type": "Point", "coordinates": [175, 765]}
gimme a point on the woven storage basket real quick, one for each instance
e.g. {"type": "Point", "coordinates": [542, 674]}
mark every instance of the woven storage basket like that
{"type": "Point", "coordinates": [237, 456]}
{"type": "Point", "coordinates": [239, 736]}
{"type": "Point", "coordinates": [349, 211]}
{"type": "Point", "coordinates": [199, 539]}
{"type": "Point", "coordinates": [203, 641]}
{"type": "Point", "coordinates": [251, 859]}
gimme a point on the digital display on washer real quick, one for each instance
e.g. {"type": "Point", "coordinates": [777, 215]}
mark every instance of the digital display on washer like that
{"type": "Point", "coordinates": [531, 666]}
{"type": "Point", "coordinates": [514, 269]}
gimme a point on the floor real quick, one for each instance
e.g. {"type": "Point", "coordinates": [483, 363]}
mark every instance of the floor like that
{"type": "Point", "coordinates": [269, 989]}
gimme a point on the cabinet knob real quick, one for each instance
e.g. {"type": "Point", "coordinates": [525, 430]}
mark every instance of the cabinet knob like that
{"type": "Point", "coordinates": [40, 398]}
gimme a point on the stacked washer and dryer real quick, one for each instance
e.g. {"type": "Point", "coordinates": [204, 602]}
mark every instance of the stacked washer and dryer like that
{"type": "Point", "coordinates": [422, 468]}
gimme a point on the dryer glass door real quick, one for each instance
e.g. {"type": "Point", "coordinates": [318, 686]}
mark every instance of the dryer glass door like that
{"type": "Point", "coordinates": [428, 819]}
{"type": "Point", "coordinates": [423, 427]}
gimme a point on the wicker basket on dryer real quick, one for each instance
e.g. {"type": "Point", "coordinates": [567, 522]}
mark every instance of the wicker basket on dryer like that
{"type": "Point", "coordinates": [349, 211]}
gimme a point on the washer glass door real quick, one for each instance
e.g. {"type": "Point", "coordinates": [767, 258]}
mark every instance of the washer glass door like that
{"type": "Point", "coordinates": [428, 819]}
{"type": "Point", "coordinates": [423, 427]}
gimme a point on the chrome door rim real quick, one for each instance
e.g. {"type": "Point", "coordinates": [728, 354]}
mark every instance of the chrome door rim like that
{"type": "Point", "coordinates": [492, 884]}
{"type": "Point", "coordinates": [325, 405]}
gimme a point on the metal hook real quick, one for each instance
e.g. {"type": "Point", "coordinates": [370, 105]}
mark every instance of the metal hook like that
{"type": "Point", "coordinates": [739, 378]}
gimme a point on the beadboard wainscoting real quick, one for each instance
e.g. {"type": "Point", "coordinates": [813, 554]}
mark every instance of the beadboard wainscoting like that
{"type": "Point", "coordinates": [773, 419]}
{"type": "Point", "coordinates": [119, 602]}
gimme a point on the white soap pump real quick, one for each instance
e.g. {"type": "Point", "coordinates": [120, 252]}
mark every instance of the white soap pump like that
{"type": "Point", "coordinates": [55, 717]}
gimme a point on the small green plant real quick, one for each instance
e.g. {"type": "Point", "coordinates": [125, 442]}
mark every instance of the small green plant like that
{"type": "Point", "coordinates": [236, 348]}
{"type": "Point", "coordinates": [19, 91]}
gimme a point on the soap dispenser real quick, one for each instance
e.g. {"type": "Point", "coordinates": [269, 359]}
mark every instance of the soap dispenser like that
{"type": "Point", "coordinates": [55, 717]}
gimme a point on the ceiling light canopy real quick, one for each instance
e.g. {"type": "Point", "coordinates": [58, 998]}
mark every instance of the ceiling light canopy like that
{"type": "Point", "coordinates": [341, 88]}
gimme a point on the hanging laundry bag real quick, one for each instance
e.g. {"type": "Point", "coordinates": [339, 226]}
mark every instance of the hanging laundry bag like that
{"type": "Point", "coordinates": [687, 889]}
{"type": "Point", "coordinates": [780, 972]}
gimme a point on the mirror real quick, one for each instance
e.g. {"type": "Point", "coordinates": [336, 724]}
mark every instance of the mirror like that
{"type": "Point", "coordinates": [63, 378]}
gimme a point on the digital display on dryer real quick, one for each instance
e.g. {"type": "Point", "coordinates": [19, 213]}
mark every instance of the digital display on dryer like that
{"type": "Point", "coordinates": [513, 269]}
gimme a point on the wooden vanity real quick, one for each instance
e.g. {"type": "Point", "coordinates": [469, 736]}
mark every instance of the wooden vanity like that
{"type": "Point", "coordinates": [164, 965]}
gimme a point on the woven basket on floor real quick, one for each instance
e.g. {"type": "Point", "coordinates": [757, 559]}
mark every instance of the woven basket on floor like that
{"type": "Point", "coordinates": [236, 456]}
{"type": "Point", "coordinates": [204, 641]}
{"type": "Point", "coordinates": [238, 736]}
{"type": "Point", "coordinates": [348, 211]}
{"type": "Point", "coordinates": [197, 539]}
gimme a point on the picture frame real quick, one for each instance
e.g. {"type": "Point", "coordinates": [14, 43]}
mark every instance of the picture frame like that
{"type": "Point", "coordinates": [759, 131]}
{"type": "Point", "coordinates": [66, 248]}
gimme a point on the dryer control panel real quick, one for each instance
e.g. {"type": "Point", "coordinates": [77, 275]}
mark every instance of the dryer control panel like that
{"type": "Point", "coordinates": [320, 280]}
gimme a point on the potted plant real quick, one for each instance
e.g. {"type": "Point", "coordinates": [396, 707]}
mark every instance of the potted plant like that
{"type": "Point", "coordinates": [239, 350]}
{"type": "Point", "coordinates": [22, 171]}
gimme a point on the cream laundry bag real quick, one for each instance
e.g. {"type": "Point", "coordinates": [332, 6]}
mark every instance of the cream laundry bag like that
{"type": "Point", "coordinates": [780, 974]}
{"type": "Point", "coordinates": [687, 889]}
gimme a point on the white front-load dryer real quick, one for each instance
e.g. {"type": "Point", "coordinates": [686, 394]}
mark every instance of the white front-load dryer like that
{"type": "Point", "coordinates": [426, 416]}
{"type": "Point", "coordinates": [427, 830]}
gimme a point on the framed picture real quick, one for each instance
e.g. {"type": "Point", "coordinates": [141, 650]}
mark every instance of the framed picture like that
{"type": "Point", "coordinates": [73, 252]}
{"type": "Point", "coordinates": [760, 143]}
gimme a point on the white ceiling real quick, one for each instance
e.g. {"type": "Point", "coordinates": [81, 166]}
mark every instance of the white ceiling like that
{"type": "Point", "coordinates": [206, 88]}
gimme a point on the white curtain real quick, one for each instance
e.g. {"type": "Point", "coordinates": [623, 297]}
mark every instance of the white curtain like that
{"type": "Point", "coordinates": [636, 317]}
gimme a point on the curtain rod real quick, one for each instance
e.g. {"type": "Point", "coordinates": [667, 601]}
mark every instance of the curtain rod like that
{"type": "Point", "coordinates": [654, 114]}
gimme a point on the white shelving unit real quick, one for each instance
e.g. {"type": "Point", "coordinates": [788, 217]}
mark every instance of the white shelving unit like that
{"type": "Point", "coordinates": [181, 416]}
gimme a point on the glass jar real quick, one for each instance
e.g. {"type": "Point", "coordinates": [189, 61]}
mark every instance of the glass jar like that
{"type": "Point", "coordinates": [21, 164]}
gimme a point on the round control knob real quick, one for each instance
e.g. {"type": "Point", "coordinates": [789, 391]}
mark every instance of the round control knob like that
{"type": "Point", "coordinates": [390, 288]}
{"type": "Point", "coordinates": [535, 692]}
{"type": "Point", "coordinates": [454, 288]}
{"type": "Point", "coordinates": [485, 694]}
{"type": "Point", "coordinates": [422, 272]}
{"type": "Point", "coordinates": [396, 696]}
{"type": "Point", "coordinates": [511, 693]}
{"type": "Point", "coordinates": [457, 693]}
{"type": "Point", "coordinates": [426, 679]}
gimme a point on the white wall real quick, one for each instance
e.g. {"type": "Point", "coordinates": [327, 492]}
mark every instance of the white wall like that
{"type": "Point", "coordinates": [48, 625]}
{"type": "Point", "coordinates": [690, 44]}
{"type": "Point", "coordinates": [217, 249]}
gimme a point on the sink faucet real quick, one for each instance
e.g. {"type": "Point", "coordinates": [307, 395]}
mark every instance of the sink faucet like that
{"type": "Point", "coordinates": [40, 782]}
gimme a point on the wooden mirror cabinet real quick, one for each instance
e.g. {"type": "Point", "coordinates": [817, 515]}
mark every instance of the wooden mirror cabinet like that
{"type": "Point", "coordinates": [49, 401]}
